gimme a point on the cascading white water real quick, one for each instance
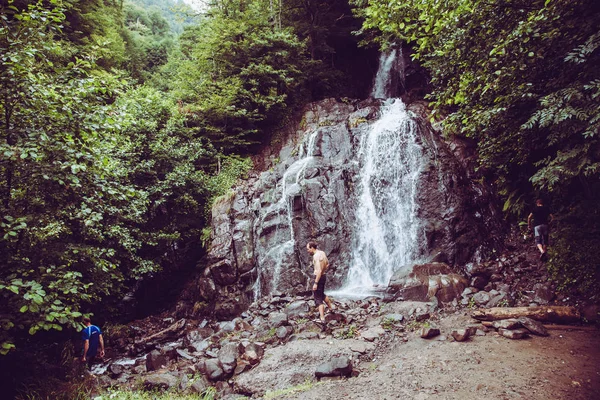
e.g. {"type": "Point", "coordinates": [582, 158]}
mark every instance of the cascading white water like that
{"type": "Point", "coordinates": [386, 234]}
{"type": "Point", "coordinates": [391, 70]}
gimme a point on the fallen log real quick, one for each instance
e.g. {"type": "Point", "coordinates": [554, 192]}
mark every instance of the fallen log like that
{"type": "Point", "coordinates": [177, 326]}
{"type": "Point", "coordinates": [557, 314]}
{"type": "Point", "coordinates": [571, 328]}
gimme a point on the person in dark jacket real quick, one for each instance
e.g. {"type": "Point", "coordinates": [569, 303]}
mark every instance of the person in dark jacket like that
{"type": "Point", "coordinates": [541, 217]}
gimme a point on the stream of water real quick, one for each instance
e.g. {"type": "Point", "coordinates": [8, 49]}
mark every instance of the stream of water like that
{"type": "Point", "coordinates": [386, 233]}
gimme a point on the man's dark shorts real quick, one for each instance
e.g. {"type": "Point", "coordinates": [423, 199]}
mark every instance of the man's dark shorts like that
{"type": "Point", "coordinates": [541, 234]}
{"type": "Point", "coordinates": [320, 292]}
{"type": "Point", "coordinates": [90, 361]}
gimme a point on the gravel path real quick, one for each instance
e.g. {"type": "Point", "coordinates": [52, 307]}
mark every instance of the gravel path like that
{"type": "Point", "coordinates": [565, 365]}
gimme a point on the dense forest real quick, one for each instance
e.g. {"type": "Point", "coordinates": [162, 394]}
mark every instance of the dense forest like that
{"type": "Point", "coordinates": [122, 121]}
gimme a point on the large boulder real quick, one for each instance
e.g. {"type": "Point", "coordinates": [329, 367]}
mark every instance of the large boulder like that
{"type": "Point", "coordinates": [337, 366]}
{"type": "Point", "coordinates": [425, 281]}
{"type": "Point", "coordinates": [160, 381]}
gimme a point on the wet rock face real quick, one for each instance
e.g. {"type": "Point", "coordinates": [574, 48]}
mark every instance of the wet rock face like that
{"type": "Point", "coordinates": [260, 231]}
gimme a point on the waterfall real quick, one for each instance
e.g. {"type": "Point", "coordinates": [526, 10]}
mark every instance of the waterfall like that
{"type": "Point", "coordinates": [390, 75]}
{"type": "Point", "coordinates": [386, 235]}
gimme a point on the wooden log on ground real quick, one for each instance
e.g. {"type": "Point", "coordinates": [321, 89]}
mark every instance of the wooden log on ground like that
{"type": "Point", "coordinates": [556, 314]}
{"type": "Point", "coordinates": [177, 326]}
{"type": "Point", "coordinates": [572, 328]}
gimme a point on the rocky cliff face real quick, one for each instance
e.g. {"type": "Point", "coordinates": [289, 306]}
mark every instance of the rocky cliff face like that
{"type": "Point", "coordinates": [260, 231]}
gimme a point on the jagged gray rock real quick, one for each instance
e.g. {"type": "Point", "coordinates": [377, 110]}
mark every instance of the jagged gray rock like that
{"type": "Point", "coordinates": [533, 326]}
{"type": "Point", "coordinates": [155, 360]}
{"type": "Point", "coordinates": [337, 366]}
{"type": "Point", "coordinates": [313, 198]}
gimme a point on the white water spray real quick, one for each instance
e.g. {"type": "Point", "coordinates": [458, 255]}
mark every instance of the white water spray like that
{"type": "Point", "coordinates": [387, 232]}
{"type": "Point", "coordinates": [289, 188]}
{"type": "Point", "coordinates": [389, 74]}
{"type": "Point", "coordinates": [386, 235]}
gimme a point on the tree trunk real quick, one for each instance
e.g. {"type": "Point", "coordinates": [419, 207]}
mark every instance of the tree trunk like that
{"type": "Point", "coordinates": [558, 314]}
{"type": "Point", "coordinates": [165, 333]}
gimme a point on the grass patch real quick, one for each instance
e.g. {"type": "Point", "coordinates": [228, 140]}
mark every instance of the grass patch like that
{"type": "Point", "coordinates": [348, 333]}
{"type": "Point", "coordinates": [307, 385]}
{"type": "Point", "coordinates": [127, 394]}
{"type": "Point", "coordinates": [416, 325]}
{"type": "Point", "coordinates": [388, 323]}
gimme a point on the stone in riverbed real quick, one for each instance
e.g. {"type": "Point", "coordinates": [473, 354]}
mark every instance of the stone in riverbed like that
{"type": "Point", "coordinates": [371, 334]}
{"type": "Point", "coordinates": [422, 315]}
{"type": "Point", "coordinates": [429, 332]}
{"type": "Point", "coordinates": [160, 381]}
{"type": "Point", "coordinates": [228, 356]}
{"type": "Point", "coordinates": [253, 353]}
{"type": "Point", "coordinates": [155, 360]}
{"type": "Point", "coordinates": [277, 319]}
{"type": "Point", "coordinates": [283, 332]}
{"type": "Point", "coordinates": [510, 323]}
{"type": "Point", "coordinates": [115, 370]}
{"type": "Point", "coordinates": [213, 370]}
{"type": "Point", "coordinates": [297, 309]}
{"type": "Point", "coordinates": [533, 326]}
{"type": "Point", "coordinates": [337, 366]}
{"type": "Point", "coordinates": [461, 335]}
{"type": "Point", "coordinates": [513, 334]}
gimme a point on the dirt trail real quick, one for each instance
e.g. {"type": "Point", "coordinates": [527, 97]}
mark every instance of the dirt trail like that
{"type": "Point", "coordinates": [563, 366]}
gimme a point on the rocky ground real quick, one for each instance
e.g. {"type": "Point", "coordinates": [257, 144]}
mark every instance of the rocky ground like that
{"type": "Point", "coordinates": [374, 348]}
{"type": "Point", "coordinates": [563, 365]}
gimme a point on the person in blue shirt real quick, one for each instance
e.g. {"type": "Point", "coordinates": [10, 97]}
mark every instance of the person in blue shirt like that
{"type": "Point", "coordinates": [92, 339]}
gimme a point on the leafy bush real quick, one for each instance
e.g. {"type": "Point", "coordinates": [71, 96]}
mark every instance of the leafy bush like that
{"type": "Point", "coordinates": [574, 257]}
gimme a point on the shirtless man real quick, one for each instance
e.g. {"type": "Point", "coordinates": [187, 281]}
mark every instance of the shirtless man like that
{"type": "Point", "coordinates": [320, 264]}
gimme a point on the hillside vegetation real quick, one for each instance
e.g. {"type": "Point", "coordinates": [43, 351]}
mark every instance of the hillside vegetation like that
{"type": "Point", "coordinates": [121, 122]}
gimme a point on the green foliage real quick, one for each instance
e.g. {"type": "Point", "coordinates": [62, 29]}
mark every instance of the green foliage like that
{"type": "Point", "coordinates": [348, 333]}
{"type": "Point", "coordinates": [171, 15]}
{"type": "Point", "coordinates": [231, 169]}
{"type": "Point", "coordinates": [128, 394]}
{"type": "Point", "coordinates": [148, 38]}
{"type": "Point", "coordinates": [415, 325]}
{"type": "Point", "coordinates": [66, 212]}
{"type": "Point", "coordinates": [235, 77]}
{"type": "Point", "coordinates": [573, 260]}
{"type": "Point", "coordinates": [51, 388]}
{"type": "Point", "coordinates": [471, 305]}
{"type": "Point", "coordinates": [388, 323]}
